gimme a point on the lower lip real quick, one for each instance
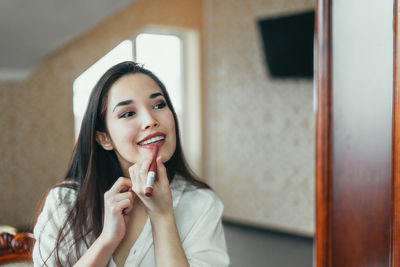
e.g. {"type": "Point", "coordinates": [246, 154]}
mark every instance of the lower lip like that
{"type": "Point", "coordinates": [150, 146]}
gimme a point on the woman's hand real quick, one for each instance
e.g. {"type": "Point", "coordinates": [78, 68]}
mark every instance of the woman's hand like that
{"type": "Point", "coordinates": [167, 244]}
{"type": "Point", "coordinates": [118, 203]}
{"type": "Point", "coordinates": [160, 203]}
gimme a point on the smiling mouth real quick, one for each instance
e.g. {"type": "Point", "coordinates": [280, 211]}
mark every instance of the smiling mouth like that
{"type": "Point", "coordinates": [152, 140]}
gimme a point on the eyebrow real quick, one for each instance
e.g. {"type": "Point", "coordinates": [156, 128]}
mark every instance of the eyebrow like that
{"type": "Point", "coordinates": [155, 95]}
{"type": "Point", "coordinates": [128, 102]}
{"type": "Point", "coordinates": [123, 103]}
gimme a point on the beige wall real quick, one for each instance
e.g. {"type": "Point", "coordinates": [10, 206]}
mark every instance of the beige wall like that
{"type": "Point", "coordinates": [37, 120]}
{"type": "Point", "coordinates": [260, 139]}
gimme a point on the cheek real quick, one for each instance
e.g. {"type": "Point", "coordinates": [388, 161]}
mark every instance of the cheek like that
{"type": "Point", "coordinates": [123, 133]}
{"type": "Point", "coordinates": [168, 120]}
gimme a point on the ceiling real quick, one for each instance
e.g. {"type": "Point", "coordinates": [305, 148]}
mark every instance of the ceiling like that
{"type": "Point", "coordinates": [30, 30]}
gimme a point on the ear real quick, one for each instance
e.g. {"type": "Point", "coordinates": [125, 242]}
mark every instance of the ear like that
{"type": "Point", "coordinates": [104, 140]}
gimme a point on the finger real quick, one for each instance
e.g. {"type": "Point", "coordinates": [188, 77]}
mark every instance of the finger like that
{"type": "Point", "coordinates": [118, 207]}
{"type": "Point", "coordinates": [122, 184]}
{"type": "Point", "coordinates": [123, 204]}
{"type": "Point", "coordinates": [132, 197]}
{"type": "Point", "coordinates": [161, 170]}
{"type": "Point", "coordinates": [138, 172]}
{"type": "Point", "coordinates": [144, 169]}
{"type": "Point", "coordinates": [133, 173]}
{"type": "Point", "coordinates": [122, 196]}
{"type": "Point", "coordinates": [127, 210]}
{"type": "Point", "coordinates": [138, 189]}
{"type": "Point", "coordinates": [133, 192]}
{"type": "Point", "coordinates": [134, 170]}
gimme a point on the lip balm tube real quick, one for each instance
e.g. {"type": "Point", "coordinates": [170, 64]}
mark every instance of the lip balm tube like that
{"type": "Point", "coordinates": [152, 174]}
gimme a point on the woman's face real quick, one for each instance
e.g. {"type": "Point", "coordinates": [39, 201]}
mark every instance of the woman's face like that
{"type": "Point", "coordinates": [137, 118]}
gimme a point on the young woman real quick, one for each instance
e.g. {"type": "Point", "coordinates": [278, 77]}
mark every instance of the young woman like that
{"type": "Point", "coordinates": [99, 215]}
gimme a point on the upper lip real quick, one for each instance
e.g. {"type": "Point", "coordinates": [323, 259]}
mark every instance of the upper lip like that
{"type": "Point", "coordinates": [151, 136]}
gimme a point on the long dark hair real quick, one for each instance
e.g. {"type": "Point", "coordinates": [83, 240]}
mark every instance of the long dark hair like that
{"type": "Point", "coordinates": [93, 170]}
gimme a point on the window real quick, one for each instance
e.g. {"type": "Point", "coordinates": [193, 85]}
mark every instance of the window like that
{"type": "Point", "coordinates": [162, 54]}
{"type": "Point", "coordinates": [84, 84]}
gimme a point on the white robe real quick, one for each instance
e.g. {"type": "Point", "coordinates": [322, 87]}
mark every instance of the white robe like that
{"type": "Point", "coordinates": [197, 212]}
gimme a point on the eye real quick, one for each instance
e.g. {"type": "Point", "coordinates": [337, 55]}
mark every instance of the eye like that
{"type": "Point", "coordinates": [127, 114]}
{"type": "Point", "coordinates": [160, 105]}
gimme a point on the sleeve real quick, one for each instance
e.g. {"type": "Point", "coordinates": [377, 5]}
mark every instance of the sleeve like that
{"type": "Point", "coordinates": [205, 244]}
{"type": "Point", "coordinates": [49, 223]}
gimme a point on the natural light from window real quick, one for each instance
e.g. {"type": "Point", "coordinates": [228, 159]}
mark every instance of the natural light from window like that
{"type": "Point", "coordinates": [84, 84]}
{"type": "Point", "coordinates": [162, 54]}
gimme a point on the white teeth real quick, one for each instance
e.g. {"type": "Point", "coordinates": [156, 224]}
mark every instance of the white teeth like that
{"type": "Point", "coordinates": [152, 140]}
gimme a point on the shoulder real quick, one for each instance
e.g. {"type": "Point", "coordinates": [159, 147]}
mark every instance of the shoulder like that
{"type": "Point", "coordinates": [57, 207]}
{"type": "Point", "coordinates": [198, 209]}
{"type": "Point", "coordinates": [58, 201]}
{"type": "Point", "coordinates": [197, 200]}
{"type": "Point", "coordinates": [64, 193]}
{"type": "Point", "coordinates": [202, 200]}
{"type": "Point", "coordinates": [203, 196]}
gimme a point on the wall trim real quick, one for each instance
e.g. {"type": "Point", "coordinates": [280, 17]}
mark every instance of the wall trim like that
{"type": "Point", "coordinates": [267, 230]}
{"type": "Point", "coordinates": [395, 231]}
{"type": "Point", "coordinates": [13, 75]}
{"type": "Point", "coordinates": [323, 133]}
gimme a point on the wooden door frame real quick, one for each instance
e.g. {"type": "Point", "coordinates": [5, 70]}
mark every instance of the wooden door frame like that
{"type": "Point", "coordinates": [323, 133]}
{"type": "Point", "coordinates": [395, 231]}
{"type": "Point", "coordinates": [323, 169]}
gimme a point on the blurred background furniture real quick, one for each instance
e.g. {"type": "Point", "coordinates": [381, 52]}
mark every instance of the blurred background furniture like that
{"type": "Point", "coordinates": [15, 248]}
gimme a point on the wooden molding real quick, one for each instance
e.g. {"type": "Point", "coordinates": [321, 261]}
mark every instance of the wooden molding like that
{"type": "Point", "coordinates": [323, 166]}
{"type": "Point", "coordinates": [395, 242]}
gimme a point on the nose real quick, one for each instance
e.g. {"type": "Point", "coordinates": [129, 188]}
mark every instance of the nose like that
{"type": "Point", "coordinates": [149, 121]}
